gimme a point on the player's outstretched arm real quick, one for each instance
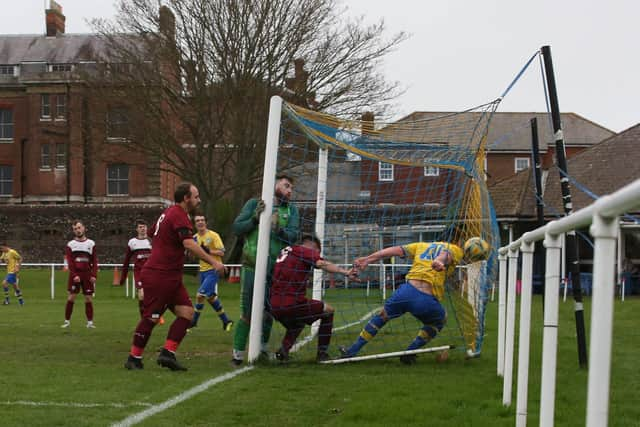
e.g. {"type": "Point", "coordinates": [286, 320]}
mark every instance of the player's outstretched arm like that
{"type": "Point", "coordinates": [362, 263]}
{"type": "Point", "coordinates": [352, 273]}
{"type": "Point", "coordinates": [196, 250]}
{"type": "Point", "coordinates": [248, 217]}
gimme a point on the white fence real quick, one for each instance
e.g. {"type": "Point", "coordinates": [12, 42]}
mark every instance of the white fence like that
{"type": "Point", "coordinates": [129, 288]}
{"type": "Point", "coordinates": [602, 216]}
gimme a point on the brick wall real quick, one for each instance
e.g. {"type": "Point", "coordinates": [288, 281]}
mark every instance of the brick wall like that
{"type": "Point", "coordinates": [40, 233]}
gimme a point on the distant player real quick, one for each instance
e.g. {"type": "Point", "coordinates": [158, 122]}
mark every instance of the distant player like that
{"type": "Point", "coordinates": [433, 262]}
{"type": "Point", "coordinates": [161, 279]}
{"type": "Point", "coordinates": [82, 260]}
{"type": "Point", "coordinates": [211, 243]}
{"type": "Point", "coordinates": [138, 249]}
{"type": "Point", "coordinates": [13, 260]}
{"type": "Point", "coordinates": [289, 304]}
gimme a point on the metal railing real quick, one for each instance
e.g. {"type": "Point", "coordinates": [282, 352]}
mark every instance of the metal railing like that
{"type": "Point", "coordinates": [603, 218]}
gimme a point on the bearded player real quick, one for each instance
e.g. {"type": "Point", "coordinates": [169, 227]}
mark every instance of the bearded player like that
{"type": "Point", "coordinates": [161, 279]}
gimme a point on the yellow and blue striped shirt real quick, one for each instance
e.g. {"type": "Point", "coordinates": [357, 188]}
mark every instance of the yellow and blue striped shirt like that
{"type": "Point", "coordinates": [423, 254]}
{"type": "Point", "coordinates": [12, 258]}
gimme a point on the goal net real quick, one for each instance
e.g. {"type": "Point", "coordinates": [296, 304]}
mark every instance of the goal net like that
{"type": "Point", "coordinates": [361, 186]}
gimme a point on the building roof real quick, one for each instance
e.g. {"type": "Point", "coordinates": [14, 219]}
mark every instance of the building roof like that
{"type": "Point", "coordinates": [601, 169]}
{"type": "Point", "coordinates": [511, 131]}
{"type": "Point", "coordinates": [63, 49]}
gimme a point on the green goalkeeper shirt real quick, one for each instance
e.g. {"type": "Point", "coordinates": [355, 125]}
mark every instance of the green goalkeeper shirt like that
{"type": "Point", "coordinates": [286, 232]}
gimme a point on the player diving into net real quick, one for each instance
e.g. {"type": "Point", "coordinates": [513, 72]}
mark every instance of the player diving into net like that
{"type": "Point", "coordinates": [433, 262]}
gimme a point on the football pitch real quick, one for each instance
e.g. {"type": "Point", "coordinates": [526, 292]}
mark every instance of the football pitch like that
{"type": "Point", "coordinates": [75, 377]}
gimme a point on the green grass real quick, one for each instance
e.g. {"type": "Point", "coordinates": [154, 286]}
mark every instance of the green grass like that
{"type": "Point", "coordinates": [42, 363]}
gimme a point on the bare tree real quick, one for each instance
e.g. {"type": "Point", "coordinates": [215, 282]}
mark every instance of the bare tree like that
{"type": "Point", "coordinates": [195, 76]}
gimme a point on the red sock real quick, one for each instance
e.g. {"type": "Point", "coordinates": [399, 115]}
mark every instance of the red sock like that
{"type": "Point", "coordinates": [88, 310]}
{"type": "Point", "coordinates": [141, 308]}
{"type": "Point", "coordinates": [141, 336]}
{"type": "Point", "coordinates": [177, 331]}
{"type": "Point", "coordinates": [68, 310]}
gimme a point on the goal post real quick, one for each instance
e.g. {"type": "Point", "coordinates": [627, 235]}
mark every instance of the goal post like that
{"type": "Point", "coordinates": [361, 187]}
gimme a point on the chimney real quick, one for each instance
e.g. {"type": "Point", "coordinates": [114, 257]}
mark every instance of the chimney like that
{"type": "Point", "coordinates": [367, 123]}
{"type": "Point", "coordinates": [167, 23]}
{"type": "Point", "coordinates": [54, 19]}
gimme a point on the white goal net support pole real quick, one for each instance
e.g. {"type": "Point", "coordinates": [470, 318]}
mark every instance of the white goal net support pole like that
{"type": "Point", "coordinates": [264, 228]}
{"type": "Point", "coordinates": [603, 218]}
{"type": "Point", "coordinates": [387, 355]}
{"type": "Point", "coordinates": [321, 205]}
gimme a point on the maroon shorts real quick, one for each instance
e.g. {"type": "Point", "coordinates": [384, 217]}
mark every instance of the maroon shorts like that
{"type": "Point", "coordinates": [162, 290]}
{"type": "Point", "coordinates": [137, 274]}
{"type": "Point", "coordinates": [85, 284]}
{"type": "Point", "coordinates": [304, 311]}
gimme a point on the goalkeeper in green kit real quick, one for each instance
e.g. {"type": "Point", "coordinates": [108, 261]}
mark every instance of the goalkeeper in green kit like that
{"type": "Point", "coordinates": [285, 227]}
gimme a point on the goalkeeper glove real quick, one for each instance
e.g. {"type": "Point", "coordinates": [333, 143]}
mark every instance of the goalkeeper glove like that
{"type": "Point", "coordinates": [260, 207]}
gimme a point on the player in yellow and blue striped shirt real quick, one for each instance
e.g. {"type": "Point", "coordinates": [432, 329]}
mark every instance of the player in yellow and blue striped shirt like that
{"type": "Point", "coordinates": [13, 260]}
{"type": "Point", "coordinates": [212, 244]}
{"type": "Point", "coordinates": [432, 263]}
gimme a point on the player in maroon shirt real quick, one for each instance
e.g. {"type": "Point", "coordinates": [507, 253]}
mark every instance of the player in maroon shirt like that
{"type": "Point", "coordinates": [161, 279]}
{"type": "Point", "coordinates": [289, 304]}
{"type": "Point", "coordinates": [80, 254]}
{"type": "Point", "coordinates": [138, 249]}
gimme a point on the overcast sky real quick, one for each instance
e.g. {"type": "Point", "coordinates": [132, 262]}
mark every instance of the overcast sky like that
{"type": "Point", "coordinates": [462, 53]}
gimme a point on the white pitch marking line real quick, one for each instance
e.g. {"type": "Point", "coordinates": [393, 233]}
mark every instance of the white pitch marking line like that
{"type": "Point", "coordinates": [72, 404]}
{"type": "Point", "coordinates": [140, 416]}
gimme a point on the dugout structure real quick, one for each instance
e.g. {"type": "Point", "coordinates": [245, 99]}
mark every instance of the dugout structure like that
{"type": "Point", "coordinates": [362, 186]}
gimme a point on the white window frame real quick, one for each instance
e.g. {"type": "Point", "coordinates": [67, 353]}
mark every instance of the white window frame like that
{"type": "Point", "coordinates": [60, 159]}
{"type": "Point", "coordinates": [4, 180]}
{"type": "Point", "coordinates": [60, 68]}
{"type": "Point", "coordinates": [59, 97]}
{"type": "Point", "coordinates": [6, 139]}
{"type": "Point", "coordinates": [45, 156]}
{"type": "Point", "coordinates": [515, 163]}
{"type": "Point", "coordinates": [431, 171]}
{"type": "Point", "coordinates": [45, 114]}
{"type": "Point", "coordinates": [385, 172]}
{"type": "Point", "coordinates": [117, 179]}
{"type": "Point", "coordinates": [127, 123]}
{"type": "Point", "coordinates": [5, 68]}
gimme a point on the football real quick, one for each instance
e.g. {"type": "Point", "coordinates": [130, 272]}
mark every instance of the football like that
{"type": "Point", "coordinates": [476, 249]}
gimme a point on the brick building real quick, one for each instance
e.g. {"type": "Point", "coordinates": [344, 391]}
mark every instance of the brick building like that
{"type": "Point", "coordinates": [58, 145]}
{"type": "Point", "coordinates": [61, 150]}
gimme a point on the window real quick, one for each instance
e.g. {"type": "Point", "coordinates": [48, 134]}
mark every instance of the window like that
{"type": "Point", "coordinates": [521, 163]}
{"type": "Point", "coordinates": [7, 70]}
{"type": "Point", "coordinates": [61, 156]}
{"type": "Point", "coordinates": [60, 67]}
{"type": "Point", "coordinates": [385, 171]}
{"type": "Point", "coordinates": [6, 124]}
{"type": "Point", "coordinates": [61, 106]}
{"type": "Point", "coordinates": [117, 123]}
{"type": "Point", "coordinates": [118, 180]}
{"type": "Point", "coordinates": [45, 106]}
{"type": "Point", "coordinates": [431, 171]}
{"type": "Point", "coordinates": [45, 158]}
{"type": "Point", "coordinates": [6, 181]}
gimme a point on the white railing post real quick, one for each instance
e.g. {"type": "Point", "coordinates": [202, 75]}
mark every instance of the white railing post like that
{"type": "Point", "coordinates": [527, 249]}
{"type": "Point", "coordinates": [510, 327]}
{"type": "Point", "coordinates": [604, 230]}
{"type": "Point", "coordinates": [502, 303]}
{"type": "Point", "coordinates": [550, 335]}
{"type": "Point", "coordinates": [53, 281]}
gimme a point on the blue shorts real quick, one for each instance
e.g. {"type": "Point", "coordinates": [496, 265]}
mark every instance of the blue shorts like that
{"type": "Point", "coordinates": [208, 283]}
{"type": "Point", "coordinates": [12, 278]}
{"type": "Point", "coordinates": [424, 307]}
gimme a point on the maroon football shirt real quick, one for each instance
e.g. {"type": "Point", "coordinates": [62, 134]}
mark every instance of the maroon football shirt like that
{"type": "Point", "coordinates": [291, 273]}
{"type": "Point", "coordinates": [168, 233]}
